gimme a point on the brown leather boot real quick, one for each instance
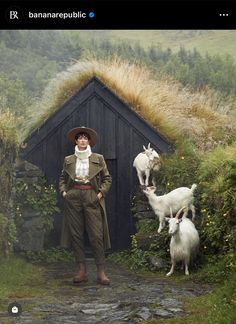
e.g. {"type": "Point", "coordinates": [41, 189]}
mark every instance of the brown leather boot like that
{"type": "Point", "coordinates": [102, 279]}
{"type": "Point", "coordinates": [81, 276]}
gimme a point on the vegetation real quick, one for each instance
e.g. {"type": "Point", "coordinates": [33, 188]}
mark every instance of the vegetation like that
{"type": "Point", "coordinates": [51, 255]}
{"type": "Point", "coordinates": [206, 41]}
{"type": "Point", "coordinates": [39, 197]}
{"type": "Point", "coordinates": [17, 277]}
{"type": "Point", "coordinates": [8, 151]}
{"type": "Point", "coordinates": [13, 96]}
{"type": "Point", "coordinates": [217, 181]}
{"type": "Point", "coordinates": [218, 307]}
{"type": "Point", "coordinates": [7, 234]}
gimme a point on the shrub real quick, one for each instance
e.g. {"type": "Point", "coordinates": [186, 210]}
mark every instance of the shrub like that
{"type": "Point", "coordinates": [39, 197]}
{"type": "Point", "coordinates": [180, 168]}
{"type": "Point", "coordinates": [7, 234]}
{"type": "Point", "coordinates": [217, 178]}
{"type": "Point", "coordinates": [55, 254]}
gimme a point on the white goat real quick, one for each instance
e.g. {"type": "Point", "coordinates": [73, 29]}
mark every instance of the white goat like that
{"type": "Point", "coordinates": [175, 199]}
{"type": "Point", "coordinates": [145, 162]}
{"type": "Point", "coordinates": [184, 241]}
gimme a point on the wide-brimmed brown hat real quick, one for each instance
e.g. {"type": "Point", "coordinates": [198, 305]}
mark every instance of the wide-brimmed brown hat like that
{"type": "Point", "coordinates": [93, 135]}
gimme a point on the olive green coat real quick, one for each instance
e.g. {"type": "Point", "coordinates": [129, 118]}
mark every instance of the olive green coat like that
{"type": "Point", "coordinates": [99, 178]}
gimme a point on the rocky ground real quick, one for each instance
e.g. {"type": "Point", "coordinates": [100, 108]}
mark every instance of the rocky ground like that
{"type": "Point", "coordinates": [130, 298]}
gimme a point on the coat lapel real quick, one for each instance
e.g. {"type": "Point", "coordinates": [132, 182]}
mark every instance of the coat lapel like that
{"type": "Point", "coordinates": [94, 165]}
{"type": "Point", "coordinates": [70, 166]}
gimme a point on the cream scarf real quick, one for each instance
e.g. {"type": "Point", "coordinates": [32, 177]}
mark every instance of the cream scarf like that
{"type": "Point", "coordinates": [83, 154]}
{"type": "Point", "coordinates": [82, 161]}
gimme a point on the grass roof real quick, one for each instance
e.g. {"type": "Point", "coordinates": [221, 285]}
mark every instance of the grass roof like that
{"type": "Point", "coordinates": [166, 105]}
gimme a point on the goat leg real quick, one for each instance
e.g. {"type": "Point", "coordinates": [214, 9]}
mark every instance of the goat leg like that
{"type": "Point", "coordinates": [140, 178]}
{"type": "Point", "coordinates": [171, 269]}
{"type": "Point", "coordinates": [186, 269]}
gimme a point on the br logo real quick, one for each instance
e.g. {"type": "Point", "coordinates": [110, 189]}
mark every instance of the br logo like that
{"type": "Point", "coordinates": [14, 15]}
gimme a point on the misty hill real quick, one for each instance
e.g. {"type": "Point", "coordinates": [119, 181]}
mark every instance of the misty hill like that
{"type": "Point", "coordinates": [210, 41]}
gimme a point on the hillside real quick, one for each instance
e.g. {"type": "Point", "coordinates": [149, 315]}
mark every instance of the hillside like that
{"type": "Point", "coordinates": [211, 41]}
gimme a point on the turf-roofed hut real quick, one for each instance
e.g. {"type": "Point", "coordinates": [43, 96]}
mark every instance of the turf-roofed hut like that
{"type": "Point", "coordinates": [128, 107]}
{"type": "Point", "coordinates": [122, 134]}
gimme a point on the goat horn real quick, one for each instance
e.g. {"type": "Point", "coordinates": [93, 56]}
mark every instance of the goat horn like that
{"type": "Point", "coordinates": [171, 213]}
{"type": "Point", "coordinates": [179, 212]}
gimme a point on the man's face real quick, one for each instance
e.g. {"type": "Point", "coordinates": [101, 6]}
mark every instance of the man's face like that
{"type": "Point", "coordinates": [82, 142]}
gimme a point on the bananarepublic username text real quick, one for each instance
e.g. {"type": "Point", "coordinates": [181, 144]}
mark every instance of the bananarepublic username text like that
{"type": "Point", "coordinates": [60, 15]}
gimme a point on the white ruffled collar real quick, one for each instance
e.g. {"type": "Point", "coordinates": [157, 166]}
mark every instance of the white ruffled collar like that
{"type": "Point", "coordinates": [83, 154]}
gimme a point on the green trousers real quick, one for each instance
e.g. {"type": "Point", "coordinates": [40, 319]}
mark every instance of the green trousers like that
{"type": "Point", "coordinates": [83, 213]}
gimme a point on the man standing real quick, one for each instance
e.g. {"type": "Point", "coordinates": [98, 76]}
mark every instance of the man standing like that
{"type": "Point", "coordinates": [84, 182]}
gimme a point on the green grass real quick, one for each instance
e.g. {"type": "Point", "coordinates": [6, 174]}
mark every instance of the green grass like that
{"type": "Point", "coordinates": [216, 307]}
{"type": "Point", "coordinates": [20, 279]}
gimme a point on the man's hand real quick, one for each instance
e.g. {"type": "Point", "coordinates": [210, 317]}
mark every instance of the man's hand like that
{"type": "Point", "coordinates": [63, 194]}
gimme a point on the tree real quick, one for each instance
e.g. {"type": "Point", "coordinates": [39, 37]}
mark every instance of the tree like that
{"type": "Point", "coordinates": [12, 96]}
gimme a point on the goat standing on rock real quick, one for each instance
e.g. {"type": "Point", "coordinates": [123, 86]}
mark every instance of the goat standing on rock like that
{"type": "Point", "coordinates": [175, 199]}
{"type": "Point", "coordinates": [145, 162]}
{"type": "Point", "coordinates": [184, 240]}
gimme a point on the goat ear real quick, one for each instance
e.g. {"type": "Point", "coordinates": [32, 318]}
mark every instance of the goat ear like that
{"type": "Point", "coordinates": [144, 148]}
{"type": "Point", "coordinates": [167, 219]}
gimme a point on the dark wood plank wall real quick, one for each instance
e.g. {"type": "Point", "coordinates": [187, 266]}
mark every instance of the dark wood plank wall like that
{"type": "Point", "coordinates": [122, 134]}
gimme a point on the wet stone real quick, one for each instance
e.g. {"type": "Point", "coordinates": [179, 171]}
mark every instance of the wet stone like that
{"type": "Point", "coordinates": [91, 290]}
{"type": "Point", "coordinates": [163, 313]}
{"type": "Point", "coordinates": [169, 302]}
{"type": "Point", "coordinates": [175, 310]}
{"type": "Point", "coordinates": [188, 292]}
{"type": "Point", "coordinates": [158, 263]}
{"type": "Point", "coordinates": [56, 308]}
{"type": "Point", "coordinates": [144, 313]}
{"type": "Point", "coordinates": [62, 320]}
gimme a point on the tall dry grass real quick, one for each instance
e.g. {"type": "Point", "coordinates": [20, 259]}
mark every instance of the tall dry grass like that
{"type": "Point", "coordinates": [8, 132]}
{"type": "Point", "coordinates": [163, 103]}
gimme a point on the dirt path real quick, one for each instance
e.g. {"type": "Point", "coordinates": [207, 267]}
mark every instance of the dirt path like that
{"type": "Point", "coordinates": [130, 298]}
